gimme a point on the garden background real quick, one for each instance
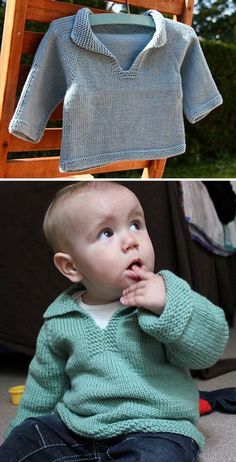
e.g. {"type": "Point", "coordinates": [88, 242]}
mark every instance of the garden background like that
{"type": "Point", "coordinates": [211, 142]}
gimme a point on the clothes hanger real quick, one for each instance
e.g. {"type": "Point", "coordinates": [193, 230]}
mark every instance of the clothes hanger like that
{"type": "Point", "coordinates": [121, 18]}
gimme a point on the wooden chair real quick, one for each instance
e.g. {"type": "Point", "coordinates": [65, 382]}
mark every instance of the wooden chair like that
{"type": "Point", "coordinates": [18, 42]}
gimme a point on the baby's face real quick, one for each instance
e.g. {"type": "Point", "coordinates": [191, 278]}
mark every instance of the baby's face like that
{"type": "Point", "coordinates": [107, 237]}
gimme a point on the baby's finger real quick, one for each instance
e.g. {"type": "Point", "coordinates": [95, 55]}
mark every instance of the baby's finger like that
{"type": "Point", "coordinates": [132, 299]}
{"type": "Point", "coordinates": [134, 288]}
{"type": "Point", "coordinates": [142, 272]}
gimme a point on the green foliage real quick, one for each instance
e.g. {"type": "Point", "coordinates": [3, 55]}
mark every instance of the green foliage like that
{"type": "Point", "coordinates": [215, 19]}
{"type": "Point", "coordinates": [2, 13]}
{"type": "Point", "coordinates": [213, 137]}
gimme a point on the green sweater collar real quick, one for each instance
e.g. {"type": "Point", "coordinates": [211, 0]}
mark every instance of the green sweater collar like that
{"type": "Point", "coordinates": [66, 303]}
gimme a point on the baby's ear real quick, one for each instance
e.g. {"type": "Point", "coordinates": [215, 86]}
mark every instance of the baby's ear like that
{"type": "Point", "coordinates": [65, 264]}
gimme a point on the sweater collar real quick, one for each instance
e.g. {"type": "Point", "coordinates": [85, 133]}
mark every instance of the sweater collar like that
{"type": "Point", "coordinates": [83, 36]}
{"type": "Point", "coordinates": [65, 303]}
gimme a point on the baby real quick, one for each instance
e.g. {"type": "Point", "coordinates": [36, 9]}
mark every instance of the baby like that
{"type": "Point", "coordinates": [110, 378]}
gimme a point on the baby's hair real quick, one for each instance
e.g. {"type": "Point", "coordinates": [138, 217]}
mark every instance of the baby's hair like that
{"type": "Point", "coordinates": [59, 213]}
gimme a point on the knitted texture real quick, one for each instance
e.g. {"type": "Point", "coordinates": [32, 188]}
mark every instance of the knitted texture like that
{"type": "Point", "coordinates": [125, 89]}
{"type": "Point", "coordinates": [131, 376]}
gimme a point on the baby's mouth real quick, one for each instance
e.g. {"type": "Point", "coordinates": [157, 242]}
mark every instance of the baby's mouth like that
{"type": "Point", "coordinates": [134, 268]}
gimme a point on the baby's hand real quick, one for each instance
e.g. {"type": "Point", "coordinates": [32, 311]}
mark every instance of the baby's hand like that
{"type": "Point", "coordinates": [149, 293]}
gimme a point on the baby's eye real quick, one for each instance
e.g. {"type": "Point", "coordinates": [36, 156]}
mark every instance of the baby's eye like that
{"type": "Point", "coordinates": [106, 234]}
{"type": "Point", "coordinates": [135, 225]}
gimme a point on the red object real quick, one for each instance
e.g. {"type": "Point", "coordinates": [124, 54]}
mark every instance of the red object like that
{"type": "Point", "coordinates": [204, 406]}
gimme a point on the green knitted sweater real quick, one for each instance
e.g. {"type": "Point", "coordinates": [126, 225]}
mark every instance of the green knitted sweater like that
{"type": "Point", "coordinates": [131, 376]}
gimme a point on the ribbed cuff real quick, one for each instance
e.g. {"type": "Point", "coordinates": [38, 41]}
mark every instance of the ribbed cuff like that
{"type": "Point", "coordinates": [24, 131]}
{"type": "Point", "coordinates": [169, 326]}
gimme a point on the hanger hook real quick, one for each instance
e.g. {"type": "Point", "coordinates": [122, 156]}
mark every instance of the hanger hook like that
{"type": "Point", "coordinates": [127, 6]}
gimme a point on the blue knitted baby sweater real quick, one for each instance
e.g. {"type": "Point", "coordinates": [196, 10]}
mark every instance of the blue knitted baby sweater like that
{"type": "Point", "coordinates": [125, 89]}
{"type": "Point", "coordinates": [131, 376]}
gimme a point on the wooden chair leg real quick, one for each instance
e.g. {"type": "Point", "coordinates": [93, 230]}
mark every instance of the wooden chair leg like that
{"type": "Point", "coordinates": [12, 42]}
{"type": "Point", "coordinates": [155, 169]}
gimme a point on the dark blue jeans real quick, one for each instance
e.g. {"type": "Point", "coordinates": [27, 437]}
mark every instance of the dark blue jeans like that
{"type": "Point", "coordinates": [47, 439]}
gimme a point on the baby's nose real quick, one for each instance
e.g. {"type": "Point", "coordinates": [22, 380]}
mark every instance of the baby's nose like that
{"type": "Point", "coordinates": [129, 242]}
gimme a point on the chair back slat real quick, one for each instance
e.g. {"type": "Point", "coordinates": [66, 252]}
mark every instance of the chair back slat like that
{"type": "Point", "coordinates": [48, 168]}
{"type": "Point", "coordinates": [50, 142]}
{"type": "Point", "coordinates": [31, 42]}
{"type": "Point", "coordinates": [48, 10]}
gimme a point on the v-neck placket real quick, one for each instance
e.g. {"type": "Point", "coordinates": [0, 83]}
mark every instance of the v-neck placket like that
{"type": "Point", "coordinates": [83, 35]}
{"type": "Point", "coordinates": [104, 338]}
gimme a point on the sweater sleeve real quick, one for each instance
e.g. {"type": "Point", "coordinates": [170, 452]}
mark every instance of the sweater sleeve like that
{"type": "Point", "coordinates": [46, 382]}
{"type": "Point", "coordinates": [43, 90]}
{"type": "Point", "coordinates": [200, 94]}
{"type": "Point", "coordinates": [193, 330]}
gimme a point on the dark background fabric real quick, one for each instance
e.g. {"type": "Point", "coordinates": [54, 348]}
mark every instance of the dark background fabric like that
{"type": "Point", "coordinates": [29, 282]}
{"type": "Point", "coordinates": [223, 198]}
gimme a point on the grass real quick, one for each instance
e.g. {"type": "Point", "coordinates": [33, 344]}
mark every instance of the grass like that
{"type": "Point", "coordinates": [225, 168]}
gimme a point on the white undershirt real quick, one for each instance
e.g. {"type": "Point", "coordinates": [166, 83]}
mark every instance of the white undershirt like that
{"type": "Point", "coordinates": [100, 313]}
